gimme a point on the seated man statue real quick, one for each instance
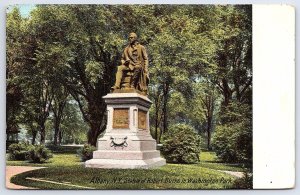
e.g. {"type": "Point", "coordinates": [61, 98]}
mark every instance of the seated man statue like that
{"type": "Point", "coordinates": [134, 64]}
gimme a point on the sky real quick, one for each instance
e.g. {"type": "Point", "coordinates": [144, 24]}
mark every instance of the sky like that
{"type": "Point", "coordinates": [25, 9]}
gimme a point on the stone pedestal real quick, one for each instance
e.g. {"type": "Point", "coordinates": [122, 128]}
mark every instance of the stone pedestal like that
{"type": "Point", "coordinates": [127, 143]}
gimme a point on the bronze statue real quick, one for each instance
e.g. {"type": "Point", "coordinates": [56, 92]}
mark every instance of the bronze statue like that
{"type": "Point", "coordinates": [133, 71]}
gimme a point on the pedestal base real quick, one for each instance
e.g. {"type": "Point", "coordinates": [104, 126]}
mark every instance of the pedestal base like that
{"type": "Point", "coordinates": [127, 143]}
{"type": "Point", "coordinates": [125, 164]}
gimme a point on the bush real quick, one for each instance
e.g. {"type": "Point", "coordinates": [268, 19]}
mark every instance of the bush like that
{"type": "Point", "coordinates": [63, 149]}
{"type": "Point", "coordinates": [246, 182]}
{"type": "Point", "coordinates": [38, 154]}
{"type": "Point", "coordinates": [86, 152]}
{"type": "Point", "coordinates": [233, 142]}
{"type": "Point", "coordinates": [18, 151]}
{"type": "Point", "coordinates": [181, 144]}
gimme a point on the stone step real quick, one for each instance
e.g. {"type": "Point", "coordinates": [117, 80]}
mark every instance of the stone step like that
{"type": "Point", "coordinates": [125, 164]}
{"type": "Point", "coordinates": [126, 155]}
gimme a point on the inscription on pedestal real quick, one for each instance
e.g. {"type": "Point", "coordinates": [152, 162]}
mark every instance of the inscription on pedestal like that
{"type": "Point", "coordinates": [142, 122]}
{"type": "Point", "coordinates": [121, 118]}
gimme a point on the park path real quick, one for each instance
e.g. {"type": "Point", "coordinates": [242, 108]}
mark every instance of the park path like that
{"type": "Point", "coordinates": [15, 170]}
{"type": "Point", "coordinates": [233, 173]}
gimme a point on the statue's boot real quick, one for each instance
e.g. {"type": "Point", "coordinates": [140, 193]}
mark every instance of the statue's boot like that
{"type": "Point", "coordinates": [115, 87]}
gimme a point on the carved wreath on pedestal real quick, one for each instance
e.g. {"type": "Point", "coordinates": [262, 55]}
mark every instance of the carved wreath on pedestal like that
{"type": "Point", "coordinates": [116, 144]}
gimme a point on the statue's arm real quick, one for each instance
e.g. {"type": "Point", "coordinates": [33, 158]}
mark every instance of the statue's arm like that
{"type": "Point", "coordinates": [124, 58]}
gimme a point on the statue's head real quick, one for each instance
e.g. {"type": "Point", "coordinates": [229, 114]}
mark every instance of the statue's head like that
{"type": "Point", "coordinates": [132, 38]}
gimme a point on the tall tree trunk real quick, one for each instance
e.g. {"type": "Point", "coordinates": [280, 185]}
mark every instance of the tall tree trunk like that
{"type": "Point", "coordinates": [60, 135]}
{"type": "Point", "coordinates": [93, 134]}
{"type": "Point", "coordinates": [55, 141]}
{"type": "Point", "coordinates": [42, 133]}
{"type": "Point", "coordinates": [34, 132]}
{"type": "Point", "coordinates": [56, 130]}
{"type": "Point", "coordinates": [96, 114]}
{"type": "Point", "coordinates": [157, 121]}
{"type": "Point", "coordinates": [208, 130]}
{"type": "Point", "coordinates": [164, 109]}
{"type": "Point", "coordinates": [227, 93]}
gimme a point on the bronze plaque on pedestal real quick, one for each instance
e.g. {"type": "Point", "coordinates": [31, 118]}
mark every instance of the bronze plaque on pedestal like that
{"type": "Point", "coordinates": [121, 118]}
{"type": "Point", "coordinates": [142, 116]}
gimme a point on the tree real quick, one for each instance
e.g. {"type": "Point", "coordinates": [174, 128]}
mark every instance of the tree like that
{"type": "Point", "coordinates": [73, 129]}
{"type": "Point", "coordinates": [20, 53]}
{"type": "Point", "coordinates": [14, 94]}
{"type": "Point", "coordinates": [86, 52]}
{"type": "Point", "coordinates": [233, 78]}
{"type": "Point", "coordinates": [60, 98]}
{"type": "Point", "coordinates": [204, 109]}
{"type": "Point", "coordinates": [199, 56]}
{"type": "Point", "coordinates": [179, 36]}
{"type": "Point", "coordinates": [234, 54]}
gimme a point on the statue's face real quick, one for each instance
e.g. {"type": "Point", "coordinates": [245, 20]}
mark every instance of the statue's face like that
{"type": "Point", "coordinates": [132, 38]}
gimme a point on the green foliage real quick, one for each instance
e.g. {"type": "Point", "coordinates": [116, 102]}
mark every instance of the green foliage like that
{"type": "Point", "coordinates": [38, 154]}
{"type": "Point", "coordinates": [67, 149]}
{"type": "Point", "coordinates": [18, 151]}
{"type": "Point", "coordinates": [181, 145]}
{"type": "Point", "coordinates": [86, 152]}
{"type": "Point", "coordinates": [246, 182]}
{"type": "Point", "coordinates": [25, 151]}
{"type": "Point", "coordinates": [232, 139]}
{"type": "Point", "coordinates": [233, 142]}
{"type": "Point", "coordinates": [208, 156]}
{"type": "Point", "coordinates": [73, 127]}
{"type": "Point", "coordinates": [76, 49]}
{"type": "Point", "coordinates": [58, 160]}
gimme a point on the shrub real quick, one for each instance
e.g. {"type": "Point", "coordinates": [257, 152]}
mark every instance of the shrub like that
{"type": "Point", "coordinates": [86, 152]}
{"type": "Point", "coordinates": [18, 151]}
{"type": "Point", "coordinates": [246, 182]}
{"type": "Point", "coordinates": [181, 144]}
{"type": "Point", "coordinates": [233, 142]}
{"type": "Point", "coordinates": [38, 154]}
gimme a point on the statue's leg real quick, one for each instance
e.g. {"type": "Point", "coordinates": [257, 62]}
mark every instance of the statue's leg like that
{"type": "Point", "coordinates": [136, 76]}
{"type": "Point", "coordinates": [119, 76]}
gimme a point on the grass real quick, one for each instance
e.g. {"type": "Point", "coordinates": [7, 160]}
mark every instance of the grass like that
{"type": "Point", "coordinates": [208, 156]}
{"type": "Point", "coordinates": [209, 159]}
{"type": "Point", "coordinates": [171, 176]}
{"type": "Point", "coordinates": [66, 167]}
{"type": "Point", "coordinates": [58, 160]}
{"type": "Point", "coordinates": [62, 156]}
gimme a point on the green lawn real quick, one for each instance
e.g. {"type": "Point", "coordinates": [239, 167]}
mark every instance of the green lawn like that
{"type": "Point", "coordinates": [58, 160]}
{"type": "Point", "coordinates": [210, 160]}
{"type": "Point", "coordinates": [170, 176]}
{"type": "Point", "coordinates": [67, 168]}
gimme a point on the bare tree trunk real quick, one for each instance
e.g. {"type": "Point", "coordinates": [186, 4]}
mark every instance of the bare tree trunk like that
{"type": "Point", "coordinates": [60, 135]}
{"type": "Point", "coordinates": [157, 104]}
{"type": "Point", "coordinates": [208, 130]}
{"type": "Point", "coordinates": [93, 134]}
{"type": "Point", "coordinates": [42, 133]}
{"type": "Point", "coordinates": [56, 130]}
{"type": "Point", "coordinates": [164, 109]}
{"type": "Point", "coordinates": [34, 132]}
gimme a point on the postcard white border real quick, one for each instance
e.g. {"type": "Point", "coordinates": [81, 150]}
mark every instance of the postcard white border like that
{"type": "Point", "coordinates": [274, 96]}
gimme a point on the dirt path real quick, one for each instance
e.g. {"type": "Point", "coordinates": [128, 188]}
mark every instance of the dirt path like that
{"type": "Point", "coordinates": [233, 173]}
{"type": "Point", "coordinates": [15, 170]}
